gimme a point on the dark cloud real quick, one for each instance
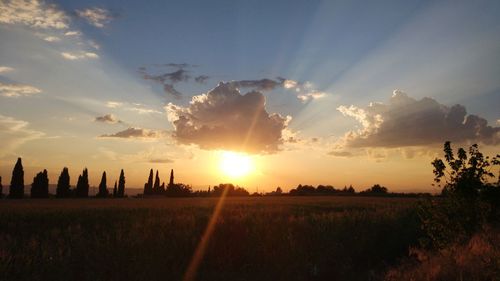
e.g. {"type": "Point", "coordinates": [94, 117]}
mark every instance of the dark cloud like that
{"type": "Point", "coordinates": [135, 133]}
{"type": "Point", "coordinates": [405, 121]}
{"type": "Point", "coordinates": [178, 65]}
{"type": "Point", "coordinates": [170, 89]}
{"type": "Point", "coordinates": [108, 118]}
{"type": "Point", "coordinates": [340, 153]}
{"type": "Point", "coordinates": [201, 79]}
{"type": "Point", "coordinates": [172, 77]}
{"type": "Point", "coordinates": [160, 161]}
{"type": "Point", "coordinates": [264, 84]}
{"type": "Point", "coordinates": [225, 119]}
{"type": "Point", "coordinates": [169, 79]}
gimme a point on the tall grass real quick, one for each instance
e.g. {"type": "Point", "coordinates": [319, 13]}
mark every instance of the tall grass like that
{"type": "Point", "coordinates": [254, 239]}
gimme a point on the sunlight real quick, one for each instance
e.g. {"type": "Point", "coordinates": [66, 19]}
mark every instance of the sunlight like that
{"type": "Point", "coordinates": [235, 165]}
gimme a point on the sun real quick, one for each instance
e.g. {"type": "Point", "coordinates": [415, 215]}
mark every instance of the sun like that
{"type": "Point", "coordinates": [235, 165]}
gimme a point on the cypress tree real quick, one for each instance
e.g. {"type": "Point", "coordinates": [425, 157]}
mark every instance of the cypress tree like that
{"type": "Point", "coordinates": [82, 187]}
{"type": "Point", "coordinates": [148, 187]}
{"type": "Point", "coordinates": [40, 185]}
{"type": "Point", "coordinates": [63, 186]}
{"type": "Point", "coordinates": [171, 182]}
{"type": "Point", "coordinates": [121, 185]}
{"type": "Point", "coordinates": [115, 191]}
{"type": "Point", "coordinates": [17, 181]}
{"type": "Point", "coordinates": [156, 187]}
{"type": "Point", "coordinates": [103, 189]}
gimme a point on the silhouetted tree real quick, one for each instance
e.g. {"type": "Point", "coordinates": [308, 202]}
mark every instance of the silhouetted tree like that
{"type": "Point", "coordinates": [17, 181]}
{"type": "Point", "coordinates": [121, 185]}
{"type": "Point", "coordinates": [469, 201]}
{"type": "Point", "coordinates": [103, 188]}
{"type": "Point", "coordinates": [231, 190]}
{"type": "Point", "coordinates": [376, 189]}
{"type": "Point", "coordinates": [148, 187]}
{"type": "Point", "coordinates": [82, 186]}
{"type": "Point", "coordinates": [278, 191]}
{"type": "Point", "coordinates": [156, 187]}
{"type": "Point", "coordinates": [40, 185]}
{"type": "Point", "coordinates": [171, 182]}
{"type": "Point", "coordinates": [1, 188]}
{"type": "Point", "coordinates": [63, 185]}
{"type": "Point", "coordinates": [115, 191]}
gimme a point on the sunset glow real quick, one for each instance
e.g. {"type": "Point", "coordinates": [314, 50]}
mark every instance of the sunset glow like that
{"type": "Point", "coordinates": [235, 165]}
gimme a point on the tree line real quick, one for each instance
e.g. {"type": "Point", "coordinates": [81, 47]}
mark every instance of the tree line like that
{"type": "Point", "coordinates": [40, 185]}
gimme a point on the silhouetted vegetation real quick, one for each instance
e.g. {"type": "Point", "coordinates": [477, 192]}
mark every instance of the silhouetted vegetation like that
{"type": "Point", "coordinates": [266, 238]}
{"type": "Point", "coordinates": [40, 185]}
{"type": "Point", "coordinates": [375, 190]}
{"type": "Point", "coordinates": [148, 186]}
{"type": "Point", "coordinates": [469, 201]}
{"type": "Point", "coordinates": [103, 188]}
{"type": "Point", "coordinates": [63, 185]}
{"type": "Point", "coordinates": [232, 190]}
{"type": "Point", "coordinates": [121, 185]}
{"type": "Point", "coordinates": [82, 186]}
{"type": "Point", "coordinates": [17, 181]}
{"type": "Point", "coordinates": [1, 188]}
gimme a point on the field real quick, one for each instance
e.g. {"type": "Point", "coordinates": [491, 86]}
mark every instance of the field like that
{"type": "Point", "coordinates": [270, 238]}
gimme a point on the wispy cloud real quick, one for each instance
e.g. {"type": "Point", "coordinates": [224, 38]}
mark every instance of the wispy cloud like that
{"type": "Point", "coordinates": [52, 39]}
{"type": "Point", "coordinates": [97, 17]}
{"type": "Point", "coordinates": [114, 104]}
{"type": "Point", "coordinates": [33, 13]}
{"type": "Point", "coordinates": [79, 55]}
{"type": "Point", "coordinates": [108, 118]}
{"type": "Point", "coordinates": [5, 69]}
{"type": "Point", "coordinates": [14, 132]}
{"type": "Point", "coordinates": [72, 33]}
{"type": "Point", "coordinates": [136, 133]}
{"type": "Point", "coordinates": [17, 90]}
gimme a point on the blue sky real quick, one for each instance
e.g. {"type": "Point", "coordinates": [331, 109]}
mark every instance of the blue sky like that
{"type": "Point", "coordinates": [327, 61]}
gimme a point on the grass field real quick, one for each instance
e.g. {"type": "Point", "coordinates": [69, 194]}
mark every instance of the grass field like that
{"type": "Point", "coordinates": [271, 238]}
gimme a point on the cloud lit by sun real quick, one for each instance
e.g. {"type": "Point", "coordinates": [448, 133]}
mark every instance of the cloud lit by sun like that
{"type": "Point", "coordinates": [235, 165]}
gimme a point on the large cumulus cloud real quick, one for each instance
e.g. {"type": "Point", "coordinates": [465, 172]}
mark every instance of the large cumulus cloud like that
{"type": "Point", "coordinates": [225, 119]}
{"type": "Point", "coordinates": [405, 121]}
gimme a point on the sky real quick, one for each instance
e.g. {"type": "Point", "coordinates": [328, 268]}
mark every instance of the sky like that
{"type": "Point", "coordinates": [308, 92]}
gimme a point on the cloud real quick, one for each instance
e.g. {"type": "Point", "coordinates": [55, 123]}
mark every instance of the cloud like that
{"type": "Point", "coordinates": [97, 17]}
{"type": "Point", "coordinates": [79, 55]}
{"type": "Point", "coordinates": [52, 39]}
{"type": "Point", "coordinates": [225, 119]}
{"type": "Point", "coordinates": [5, 69]}
{"type": "Point", "coordinates": [311, 96]}
{"type": "Point", "coordinates": [340, 153]}
{"type": "Point", "coordinates": [169, 89]}
{"type": "Point", "coordinates": [114, 104]}
{"type": "Point", "coordinates": [405, 121]}
{"type": "Point", "coordinates": [161, 161]}
{"type": "Point", "coordinates": [108, 118]}
{"type": "Point", "coordinates": [14, 133]}
{"type": "Point", "coordinates": [32, 13]}
{"type": "Point", "coordinates": [168, 79]}
{"type": "Point", "coordinates": [201, 79]}
{"type": "Point", "coordinates": [259, 85]}
{"type": "Point", "coordinates": [172, 77]}
{"type": "Point", "coordinates": [304, 91]}
{"type": "Point", "coordinates": [135, 133]}
{"type": "Point", "coordinates": [17, 90]}
{"type": "Point", "coordinates": [72, 33]}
